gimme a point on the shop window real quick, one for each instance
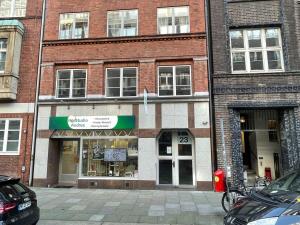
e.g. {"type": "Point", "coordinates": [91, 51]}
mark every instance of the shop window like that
{"type": "Point", "coordinates": [74, 25]}
{"type": "Point", "coordinates": [110, 157]}
{"type": "Point", "coordinates": [3, 49]}
{"type": "Point", "coordinates": [122, 23]}
{"type": "Point", "coordinates": [173, 20]}
{"type": "Point", "coordinates": [12, 8]}
{"type": "Point", "coordinates": [174, 80]}
{"type": "Point", "coordinates": [121, 82]}
{"type": "Point", "coordinates": [71, 84]}
{"type": "Point", "coordinates": [10, 136]}
{"type": "Point", "coordinates": [256, 50]}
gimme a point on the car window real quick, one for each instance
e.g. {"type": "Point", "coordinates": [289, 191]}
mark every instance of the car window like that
{"type": "Point", "coordinates": [19, 189]}
{"type": "Point", "coordinates": [8, 192]}
{"type": "Point", "coordinates": [284, 184]}
{"type": "Point", "coordinates": [295, 185]}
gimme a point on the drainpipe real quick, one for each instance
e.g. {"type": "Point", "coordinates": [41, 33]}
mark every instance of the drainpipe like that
{"type": "Point", "coordinates": [210, 84]}
{"type": "Point", "coordinates": [34, 134]}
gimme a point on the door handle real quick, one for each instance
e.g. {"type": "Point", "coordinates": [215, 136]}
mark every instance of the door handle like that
{"type": "Point", "coordinates": [173, 163]}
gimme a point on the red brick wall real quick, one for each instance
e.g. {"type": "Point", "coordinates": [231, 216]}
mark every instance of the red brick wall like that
{"type": "Point", "coordinates": [98, 14]}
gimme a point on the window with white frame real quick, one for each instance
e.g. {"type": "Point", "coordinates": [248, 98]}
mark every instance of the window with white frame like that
{"type": "Point", "coordinates": [71, 83]}
{"type": "Point", "coordinates": [10, 133]}
{"type": "Point", "coordinates": [122, 23]}
{"type": "Point", "coordinates": [174, 80]}
{"type": "Point", "coordinates": [74, 25]}
{"type": "Point", "coordinates": [173, 20]}
{"type": "Point", "coordinates": [3, 49]}
{"type": "Point", "coordinates": [256, 50]}
{"type": "Point", "coordinates": [121, 82]}
{"type": "Point", "coordinates": [12, 8]}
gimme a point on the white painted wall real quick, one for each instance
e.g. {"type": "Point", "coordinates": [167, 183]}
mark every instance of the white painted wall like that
{"type": "Point", "coordinates": [41, 158]}
{"type": "Point", "coordinates": [201, 111]}
{"type": "Point", "coordinates": [203, 159]}
{"type": "Point", "coordinates": [174, 115]}
{"type": "Point", "coordinates": [97, 110]}
{"type": "Point", "coordinates": [147, 120]}
{"type": "Point", "coordinates": [16, 107]}
{"type": "Point", "coordinates": [147, 158]}
{"type": "Point", "coordinates": [43, 117]}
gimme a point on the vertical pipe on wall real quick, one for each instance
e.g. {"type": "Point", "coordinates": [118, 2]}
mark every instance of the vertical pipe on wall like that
{"type": "Point", "coordinates": [35, 119]}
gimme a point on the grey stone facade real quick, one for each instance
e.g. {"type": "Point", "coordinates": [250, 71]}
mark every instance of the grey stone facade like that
{"type": "Point", "coordinates": [279, 91]}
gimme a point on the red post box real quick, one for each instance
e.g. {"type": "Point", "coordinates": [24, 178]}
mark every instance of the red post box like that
{"type": "Point", "coordinates": [220, 184]}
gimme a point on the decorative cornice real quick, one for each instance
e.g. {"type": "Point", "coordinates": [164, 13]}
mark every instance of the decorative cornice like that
{"type": "Point", "coordinates": [242, 89]}
{"type": "Point", "coordinates": [232, 75]}
{"type": "Point", "coordinates": [106, 40]}
{"type": "Point", "coordinates": [262, 104]}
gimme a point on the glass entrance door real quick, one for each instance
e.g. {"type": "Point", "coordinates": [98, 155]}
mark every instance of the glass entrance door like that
{"type": "Point", "coordinates": [175, 161]}
{"type": "Point", "coordinates": [69, 161]}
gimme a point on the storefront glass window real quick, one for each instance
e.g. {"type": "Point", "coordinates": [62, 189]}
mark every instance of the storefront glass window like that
{"type": "Point", "coordinates": [110, 157]}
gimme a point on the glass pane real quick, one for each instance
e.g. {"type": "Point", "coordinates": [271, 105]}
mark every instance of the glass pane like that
{"type": "Point", "coordinates": [79, 74]}
{"type": "Point", "coordinates": [165, 172]}
{"type": "Point", "coordinates": [185, 150]}
{"type": "Point", "coordinates": [69, 157]}
{"type": "Point", "coordinates": [165, 21]}
{"type": "Point", "coordinates": [64, 84]}
{"type": "Point", "coordinates": [14, 124]}
{"type": "Point", "coordinates": [113, 83]}
{"type": "Point", "coordinates": [130, 22]}
{"type": "Point", "coordinates": [165, 81]}
{"type": "Point", "coordinates": [272, 37]}
{"type": "Point", "coordinates": [1, 146]}
{"type": "Point", "coordinates": [2, 124]}
{"type": "Point", "coordinates": [185, 172]}
{"type": "Point", "coordinates": [237, 39]}
{"type": "Point", "coordinates": [64, 74]}
{"type": "Point", "coordinates": [79, 83]}
{"type": "Point", "coordinates": [181, 15]}
{"type": "Point", "coordinates": [12, 146]}
{"type": "Point", "coordinates": [13, 135]}
{"type": "Point", "coordinates": [238, 61]}
{"type": "Point", "coordinates": [66, 26]}
{"type": "Point", "coordinates": [1, 135]}
{"type": "Point", "coordinates": [2, 60]}
{"type": "Point", "coordinates": [5, 8]}
{"type": "Point", "coordinates": [183, 80]}
{"type": "Point", "coordinates": [129, 82]}
{"type": "Point", "coordinates": [256, 61]}
{"type": "Point", "coordinates": [114, 23]}
{"type": "Point", "coordinates": [274, 60]}
{"type": "Point", "coordinates": [254, 38]}
{"type": "Point", "coordinates": [78, 93]}
{"type": "Point", "coordinates": [20, 8]}
{"type": "Point", "coordinates": [63, 93]}
{"type": "Point", "coordinates": [3, 43]}
{"type": "Point", "coordinates": [165, 144]}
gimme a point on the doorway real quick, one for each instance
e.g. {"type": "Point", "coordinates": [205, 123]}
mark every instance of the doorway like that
{"type": "Point", "coordinates": [69, 161]}
{"type": "Point", "coordinates": [176, 159]}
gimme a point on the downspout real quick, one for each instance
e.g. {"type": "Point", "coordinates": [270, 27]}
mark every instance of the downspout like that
{"type": "Point", "coordinates": [35, 120]}
{"type": "Point", "coordinates": [210, 84]}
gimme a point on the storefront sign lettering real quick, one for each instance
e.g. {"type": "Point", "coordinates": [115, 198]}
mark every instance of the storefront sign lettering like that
{"type": "Point", "coordinates": [92, 123]}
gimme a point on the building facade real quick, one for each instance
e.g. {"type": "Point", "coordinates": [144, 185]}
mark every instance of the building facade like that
{"type": "Point", "coordinates": [20, 24]}
{"type": "Point", "coordinates": [123, 100]}
{"type": "Point", "coordinates": [255, 55]}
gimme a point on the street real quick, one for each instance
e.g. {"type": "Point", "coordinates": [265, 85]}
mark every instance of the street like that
{"type": "Point", "coordinates": [107, 207]}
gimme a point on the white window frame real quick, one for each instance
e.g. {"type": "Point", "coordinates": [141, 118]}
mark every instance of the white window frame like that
{"type": "Point", "coordinates": [121, 82]}
{"type": "Point", "coordinates": [264, 49]}
{"type": "Point", "coordinates": [5, 152]}
{"type": "Point", "coordinates": [13, 9]}
{"type": "Point", "coordinates": [174, 81]}
{"type": "Point", "coordinates": [73, 26]}
{"type": "Point", "coordinates": [71, 83]}
{"type": "Point", "coordinates": [173, 20]}
{"type": "Point", "coordinates": [4, 50]}
{"type": "Point", "coordinates": [122, 22]}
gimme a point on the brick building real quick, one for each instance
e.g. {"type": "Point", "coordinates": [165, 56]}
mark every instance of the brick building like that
{"type": "Point", "coordinates": [124, 99]}
{"type": "Point", "coordinates": [255, 66]}
{"type": "Point", "coordinates": [20, 24]}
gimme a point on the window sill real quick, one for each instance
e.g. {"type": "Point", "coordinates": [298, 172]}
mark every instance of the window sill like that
{"type": "Point", "coordinates": [107, 178]}
{"type": "Point", "coordinates": [9, 153]}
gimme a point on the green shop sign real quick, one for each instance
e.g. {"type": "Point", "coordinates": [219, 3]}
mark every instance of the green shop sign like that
{"type": "Point", "coordinates": [92, 123]}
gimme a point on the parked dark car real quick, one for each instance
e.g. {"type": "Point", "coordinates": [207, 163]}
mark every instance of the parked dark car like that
{"type": "Point", "coordinates": [18, 204]}
{"type": "Point", "coordinates": [277, 204]}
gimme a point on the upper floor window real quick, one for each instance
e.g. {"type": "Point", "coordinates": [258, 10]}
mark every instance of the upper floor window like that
{"type": "Point", "coordinates": [71, 83]}
{"type": "Point", "coordinates": [174, 80]}
{"type": "Point", "coordinates": [3, 49]}
{"type": "Point", "coordinates": [256, 50]}
{"type": "Point", "coordinates": [73, 25]}
{"type": "Point", "coordinates": [122, 23]}
{"type": "Point", "coordinates": [173, 20]}
{"type": "Point", "coordinates": [121, 82]}
{"type": "Point", "coordinates": [12, 8]}
{"type": "Point", "coordinates": [10, 135]}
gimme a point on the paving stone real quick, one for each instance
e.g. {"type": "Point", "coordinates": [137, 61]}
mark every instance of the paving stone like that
{"type": "Point", "coordinates": [96, 218]}
{"type": "Point", "coordinates": [157, 207]}
{"type": "Point", "coordinates": [112, 204]}
{"type": "Point", "coordinates": [156, 213]}
{"type": "Point", "coordinates": [112, 218]}
{"type": "Point", "coordinates": [129, 219]}
{"type": "Point", "coordinates": [148, 219]}
{"type": "Point", "coordinates": [167, 219]}
{"type": "Point", "coordinates": [78, 207]}
{"type": "Point", "coordinates": [73, 200]}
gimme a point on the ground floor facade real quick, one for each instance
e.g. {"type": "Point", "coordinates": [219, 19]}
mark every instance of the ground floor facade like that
{"type": "Point", "coordinates": [16, 126]}
{"type": "Point", "coordinates": [260, 129]}
{"type": "Point", "coordinates": [126, 146]}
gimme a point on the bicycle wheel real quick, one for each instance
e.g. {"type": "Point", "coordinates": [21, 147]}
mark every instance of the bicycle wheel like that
{"type": "Point", "coordinates": [229, 198]}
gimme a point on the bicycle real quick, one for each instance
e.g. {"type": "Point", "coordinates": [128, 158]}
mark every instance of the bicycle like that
{"type": "Point", "coordinates": [233, 194]}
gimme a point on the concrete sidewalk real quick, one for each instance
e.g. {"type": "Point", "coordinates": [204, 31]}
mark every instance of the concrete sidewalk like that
{"type": "Point", "coordinates": [107, 207]}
